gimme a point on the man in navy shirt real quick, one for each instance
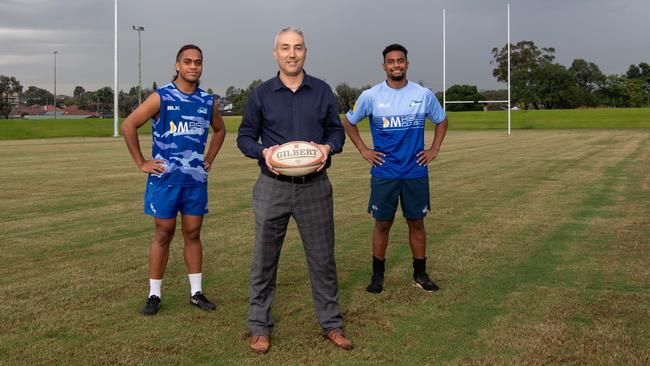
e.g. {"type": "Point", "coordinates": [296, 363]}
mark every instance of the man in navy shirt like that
{"type": "Point", "coordinates": [292, 106]}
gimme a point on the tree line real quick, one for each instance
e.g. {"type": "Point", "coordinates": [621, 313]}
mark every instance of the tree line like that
{"type": "Point", "coordinates": [537, 82]}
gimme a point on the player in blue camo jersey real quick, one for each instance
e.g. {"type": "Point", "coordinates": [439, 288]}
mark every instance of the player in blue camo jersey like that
{"type": "Point", "coordinates": [397, 109]}
{"type": "Point", "coordinates": [181, 114]}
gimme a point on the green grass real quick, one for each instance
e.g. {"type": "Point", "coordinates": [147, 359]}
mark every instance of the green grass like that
{"type": "Point", "coordinates": [550, 119]}
{"type": "Point", "coordinates": [540, 242]}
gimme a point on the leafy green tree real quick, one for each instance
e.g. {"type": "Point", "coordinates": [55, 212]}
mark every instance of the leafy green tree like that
{"type": "Point", "coordinates": [464, 92]}
{"type": "Point", "coordinates": [35, 95]}
{"type": "Point", "coordinates": [633, 72]}
{"type": "Point", "coordinates": [90, 102]}
{"type": "Point", "coordinates": [78, 92]}
{"type": "Point", "coordinates": [620, 91]}
{"type": "Point", "coordinates": [128, 102]}
{"type": "Point", "coordinates": [556, 87]}
{"type": "Point", "coordinates": [641, 73]}
{"type": "Point", "coordinates": [588, 78]}
{"type": "Point", "coordinates": [105, 95]}
{"type": "Point", "coordinates": [526, 59]}
{"type": "Point", "coordinates": [8, 86]}
{"type": "Point", "coordinates": [239, 101]}
{"type": "Point", "coordinates": [346, 96]}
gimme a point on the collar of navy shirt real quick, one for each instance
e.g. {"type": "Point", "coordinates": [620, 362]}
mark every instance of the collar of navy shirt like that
{"type": "Point", "coordinates": [278, 84]}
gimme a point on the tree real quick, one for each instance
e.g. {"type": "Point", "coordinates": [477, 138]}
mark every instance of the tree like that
{"type": "Point", "coordinates": [9, 86]}
{"type": "Point", "coordinates": [346, 96]}
{"type": "Point", "coordinates": [239, 101]}
{"type": "Point", "coordinates": [105, 95]}
{"type": "Point", "coordinates": [79, 92]}
{"type": "Point", "coordinates": [633, 72]}
{"type": "Point", "coordinates": [90, 102]}
{"type": "Point", "coordinates": [464, 92]}
{"type": "Point", "coordinates": [641, 73]}
{"type": "Point", "coordinates": [588, 78]}
{"type": "Point", "coordinates": [35, 95]}
{"type": "Point", "coordinates": [231, 92]}
{"type": "Point", "coordinates": [556, 87]}
{"type": "Point", "coordinates": [128, 102]}
{"type": "Point", "coordinates": [525, 61]}
{"type": "Point", "coordinates": [210, 91]}
{"type": "Point", "coordinates": [154, 87]}
{"type": "Point", "coordinates": [620, 91]}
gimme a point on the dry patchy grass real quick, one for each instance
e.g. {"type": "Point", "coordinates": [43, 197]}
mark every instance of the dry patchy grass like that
{"type": "Point", "coordinates": [539, 242]}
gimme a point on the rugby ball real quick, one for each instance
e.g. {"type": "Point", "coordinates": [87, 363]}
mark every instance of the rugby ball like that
{"type": "Point", "coordinates": [296, 158]}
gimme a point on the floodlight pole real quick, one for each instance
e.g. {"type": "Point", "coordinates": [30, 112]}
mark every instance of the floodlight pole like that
{"type": "Point", "coordinates": [54, 53]}
{"type": "Point", "coordinates": [115, 92]}
{"type": "Point", "coordinates": [140, 29]}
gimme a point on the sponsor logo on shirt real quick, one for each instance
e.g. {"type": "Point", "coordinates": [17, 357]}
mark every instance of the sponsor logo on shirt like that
{"type": "Point", "coordinates": [202, 110]}
{"type": "Point", "coordinates": [415, 102]}
{"type": "Point", "coordinates": [399, 121]}
{"type": "Point", "coordinates": [185, 128]}
{"type": "Point", "coordinates": [173, 108]}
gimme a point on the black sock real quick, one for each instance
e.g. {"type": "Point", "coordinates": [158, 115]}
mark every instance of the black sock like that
{"type": "Point", "coordinates": [419, 265]}
{"type": "Point", "coordinates": [378, 265]}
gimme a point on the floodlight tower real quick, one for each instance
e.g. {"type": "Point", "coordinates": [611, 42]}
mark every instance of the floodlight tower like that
{"type": "Point", "coordinates": [54, 53]}
{"type": "Point", "coordinates": [139, 29]}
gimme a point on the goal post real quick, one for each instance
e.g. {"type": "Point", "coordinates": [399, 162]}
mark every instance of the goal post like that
{"type": "Point", "coordinates": [444, 71]}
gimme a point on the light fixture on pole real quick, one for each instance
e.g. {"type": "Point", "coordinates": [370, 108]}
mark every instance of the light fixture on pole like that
{"type": "Point", "coordinates": [139, 29]}
{"type": "Point", "coordinates": [54, 53]}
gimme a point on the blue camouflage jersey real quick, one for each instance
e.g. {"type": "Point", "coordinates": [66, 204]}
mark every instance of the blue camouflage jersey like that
{"type": "Point", "coordinates": [397, 119]}
{"type": "Point", "coordinates": [179, 136]}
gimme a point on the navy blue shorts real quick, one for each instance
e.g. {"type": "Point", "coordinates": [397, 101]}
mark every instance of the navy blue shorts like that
{"type": "Point", "coordinates": [164, 202]}
{"type": "Point", "coordinates": [412, 194]}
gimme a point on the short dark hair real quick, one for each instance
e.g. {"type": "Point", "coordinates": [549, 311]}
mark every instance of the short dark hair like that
{"type": "Point", "coordinates": [183, 49]}
{"type": "Point", "coordinates": [395, 47]}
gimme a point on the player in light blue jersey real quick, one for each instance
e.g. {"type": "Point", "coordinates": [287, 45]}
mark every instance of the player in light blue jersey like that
{"type": "Point", "coordinates": [397, 109]}
{"type": "Point", "coordinates": [181, 114]}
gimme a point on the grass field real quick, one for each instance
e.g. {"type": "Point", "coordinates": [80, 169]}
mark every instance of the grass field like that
{"type": "Point", "coordinates": [540, 242]}
{"type": "Point", "coordinates": [549, 119]}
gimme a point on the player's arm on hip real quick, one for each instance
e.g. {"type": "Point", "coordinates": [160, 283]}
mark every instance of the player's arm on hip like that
{"type": "Point", "coordinates": [218, 136]}
{"type": "Point", "coordinates": [147, 110]}
{"type": "Point", "coordinates": [371, 156]}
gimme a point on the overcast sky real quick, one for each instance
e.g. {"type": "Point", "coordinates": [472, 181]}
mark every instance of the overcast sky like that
{"type": "Point", "coordinates": [344, 38]}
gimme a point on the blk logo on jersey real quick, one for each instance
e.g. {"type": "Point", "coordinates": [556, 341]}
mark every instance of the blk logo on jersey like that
{"type": "Point", "coordinates": [173, 108]}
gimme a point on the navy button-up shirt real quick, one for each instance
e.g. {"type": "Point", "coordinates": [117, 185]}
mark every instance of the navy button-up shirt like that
{"type": "Point", "coordinates": [275, 115]}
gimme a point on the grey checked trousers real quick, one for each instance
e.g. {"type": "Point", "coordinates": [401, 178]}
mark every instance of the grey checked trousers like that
{"type": "Point", "coordinates": [310, 204]}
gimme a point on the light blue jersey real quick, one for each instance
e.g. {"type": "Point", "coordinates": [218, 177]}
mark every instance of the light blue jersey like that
{"type": "Point", "coordinates": [397, 125]}
{"type": "Point", "coordinates": [179, 136]}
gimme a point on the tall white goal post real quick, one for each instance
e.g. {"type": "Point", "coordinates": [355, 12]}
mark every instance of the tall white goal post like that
{"type": "Point", "coordinates": [115, 90]}
{"type": "Point", "coordinates": [444, 71]}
